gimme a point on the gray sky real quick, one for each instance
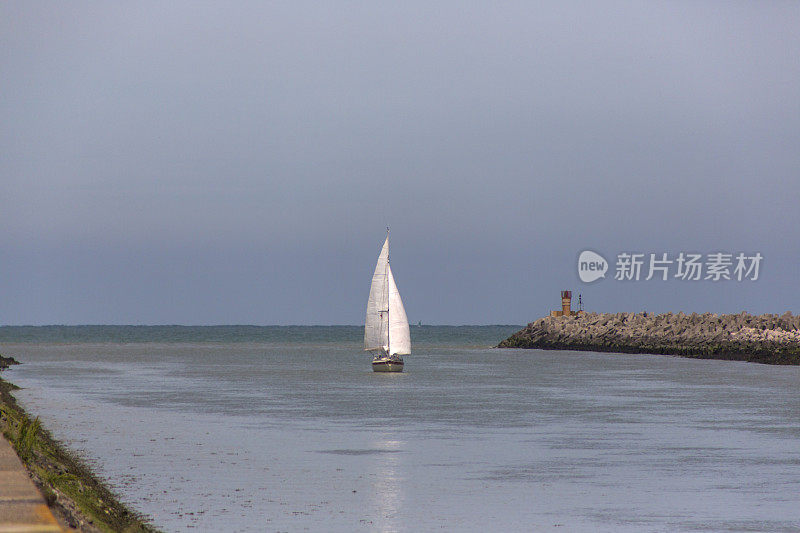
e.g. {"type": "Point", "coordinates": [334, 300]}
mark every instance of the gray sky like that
{"type": "Point", "coordinates": [220, 163]}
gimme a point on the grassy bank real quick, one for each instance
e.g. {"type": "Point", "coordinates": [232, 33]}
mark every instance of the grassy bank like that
{"type": "Point", "coordinates": [72, 492]}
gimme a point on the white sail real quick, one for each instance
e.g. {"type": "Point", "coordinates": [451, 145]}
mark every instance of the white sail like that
{"type": "Point", "coordinates": [399, 334]}
{"type": "Point", "coordinates": [376, 328]}
{"type": "Point", "coordinates": [386, 324]}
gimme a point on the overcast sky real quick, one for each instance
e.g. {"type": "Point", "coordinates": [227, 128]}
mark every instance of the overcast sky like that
{"type": "Point", "coordinates": [232, 162]}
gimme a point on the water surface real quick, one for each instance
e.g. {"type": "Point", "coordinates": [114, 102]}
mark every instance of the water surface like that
{"type": "Point", "coordinates": [275, 429]}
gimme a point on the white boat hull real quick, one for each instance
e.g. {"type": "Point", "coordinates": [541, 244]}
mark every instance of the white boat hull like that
{"type": "Point", "coordinates": [387, 365]}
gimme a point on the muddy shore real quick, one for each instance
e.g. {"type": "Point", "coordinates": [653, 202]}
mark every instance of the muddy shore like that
{"type": "Point", "coordinates": [77, 498]}
{"type": "Point", "coordinates": [769, 338]}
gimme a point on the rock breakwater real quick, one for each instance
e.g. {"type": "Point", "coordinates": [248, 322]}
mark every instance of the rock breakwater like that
{"type": "Point", "coordinates": [765, 338]}
{"type": "Point", "coordinates": [6, 362]}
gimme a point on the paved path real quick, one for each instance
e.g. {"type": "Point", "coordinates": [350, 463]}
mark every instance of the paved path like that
{"type": "Point", "coordinates": [22, 508]}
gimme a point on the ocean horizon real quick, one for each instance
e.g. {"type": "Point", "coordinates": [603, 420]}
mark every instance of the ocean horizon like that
{"type": "Point", "coordinates": [125, 333]}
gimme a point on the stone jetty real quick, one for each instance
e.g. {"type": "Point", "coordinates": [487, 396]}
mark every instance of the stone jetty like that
{"type": "Point", "coordinates": [768, 338]}
{"type": "Point", "coordinates": [6, 362]}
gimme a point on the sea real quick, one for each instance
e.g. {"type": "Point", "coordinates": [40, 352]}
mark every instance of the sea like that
{"type": "Point", "coordinates": [247, 428]}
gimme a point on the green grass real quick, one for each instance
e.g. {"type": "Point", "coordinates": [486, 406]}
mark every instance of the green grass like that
{"type": "Point", "coordinates": [66, 483]}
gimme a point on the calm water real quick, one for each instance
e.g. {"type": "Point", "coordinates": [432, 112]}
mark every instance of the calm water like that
{"type": "Point", "coordinates": [288, 429]}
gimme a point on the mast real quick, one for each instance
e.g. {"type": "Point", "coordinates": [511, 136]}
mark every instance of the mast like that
{"type": "Point", "coordinates": [388, 297]}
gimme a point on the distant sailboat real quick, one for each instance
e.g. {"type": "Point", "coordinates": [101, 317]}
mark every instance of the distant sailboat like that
{"type": "Point", "coordinates": [386, 333]}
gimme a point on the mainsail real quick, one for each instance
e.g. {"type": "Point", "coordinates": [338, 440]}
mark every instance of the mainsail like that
{"type": "Point", "coordinates": [375, 332]}
{"type": "Point", "coordinates": [386, 324]}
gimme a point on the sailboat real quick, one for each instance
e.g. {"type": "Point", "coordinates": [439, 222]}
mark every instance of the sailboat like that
{"type": "Point", "coordinates": [386, 333]}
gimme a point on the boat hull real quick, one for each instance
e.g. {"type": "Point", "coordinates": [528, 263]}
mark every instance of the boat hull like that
{"type": "Point", "coordinates": [387, 365]}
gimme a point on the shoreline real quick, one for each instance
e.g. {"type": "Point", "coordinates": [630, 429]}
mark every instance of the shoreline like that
{"type": "Point", "coordinates": [767, 339]}
{"type": "Point", "coordinates": [76, 496]}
